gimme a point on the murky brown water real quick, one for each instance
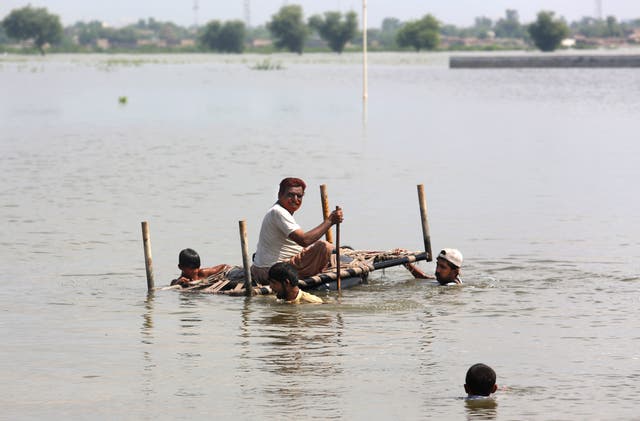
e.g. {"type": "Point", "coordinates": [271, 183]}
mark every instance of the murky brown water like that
{"type": "Point", "coordinates": [531, 173]}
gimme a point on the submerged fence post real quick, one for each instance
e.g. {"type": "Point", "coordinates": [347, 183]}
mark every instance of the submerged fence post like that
{"type": "Point", "coordinates": [426, 236]}
{"type": "Point", "coordinates": [246, 262]}
{"type": "Point", "coordinates": [324, 198]}
{"type": "Point", "coordinates": [148, 260]}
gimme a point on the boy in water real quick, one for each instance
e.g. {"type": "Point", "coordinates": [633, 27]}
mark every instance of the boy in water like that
{"type": "Point", "coordinates": [283, 280]}
{"type": "Point", "coordinates": [189, 264]}
{"type": "Point", "coordinates": [480, 381]}
{"type": "Point", "coordinates": [448, 264]}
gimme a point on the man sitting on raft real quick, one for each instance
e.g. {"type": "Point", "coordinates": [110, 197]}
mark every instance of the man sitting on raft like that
{"type": "Point", "coordinates": [283, 240]}
{"type": "Point", "coordinates": [448, 266]}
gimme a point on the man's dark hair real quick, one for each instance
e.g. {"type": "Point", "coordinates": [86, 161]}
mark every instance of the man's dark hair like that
{"type": "Point", "coordinates": [282, 271]}
{"type": "Point", "coordinates": [189, 258]}
{"type": "Point", "coordinates": [480, 379]}
{"type": "Point", "coordinates": [291, 182]}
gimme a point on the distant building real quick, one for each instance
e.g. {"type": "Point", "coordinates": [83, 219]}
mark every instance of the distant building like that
{"type": "Point", "coordinates": [584, 42]}
{"type": "Point", "coordinates": [102, 43]}
{"type": "Point", "coordinates": [151, 42]}
{"type": "Point", "coordinates": [260, 42]}
{"type": "Point", "coordinates": [634, 37]}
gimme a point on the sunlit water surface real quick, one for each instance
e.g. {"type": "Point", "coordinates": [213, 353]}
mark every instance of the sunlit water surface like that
{"type": "Point", "coordinates": [531, 173]}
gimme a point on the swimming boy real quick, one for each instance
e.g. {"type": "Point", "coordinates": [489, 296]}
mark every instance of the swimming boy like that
{"type": "Point", "coordinates": [448, 264]}
{"type": "Point", "coordinates": [283, 280]}
{"type": "Point", "coordinates": [189, 264]}
{"type": "Point", "coordinates": [480, 381]}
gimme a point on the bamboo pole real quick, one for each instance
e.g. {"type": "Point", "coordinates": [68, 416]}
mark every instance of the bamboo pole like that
{"type": "Point", "coordinates": [360, 270]}
{"type": "Point", "coordinates": [246, 262]}
{"type": "Point", "coordinates": [426, 236]}
{"type": "Point", "coordinates": [325, 209]}
{"type": "Point", "coordinates": [148, 260]}
{"type": "Point", "coordinates": [338, 252]}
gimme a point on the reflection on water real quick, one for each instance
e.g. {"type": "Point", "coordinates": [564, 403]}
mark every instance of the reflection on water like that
{"type": "Point", "coordinates": [481, 409]}
{"type": "Point", "coordinates": [297, 339]}
{"type": "Point", "coordinates": [147, 323]}
{"type": "Point", "coordinates": [293, 347]}
{"type": "Point", "coordinates": [148, 365]}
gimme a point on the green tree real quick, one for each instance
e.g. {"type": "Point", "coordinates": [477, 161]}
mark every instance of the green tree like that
{"type": "Point", "coordinates": [36, 24]}
{"type": "Point", "coordinates": [125, 37]}
{"type": "Point", "coordinates": [334, 30]}
{"type": "Point", "coordinates": [389, 32]}
{"type": "Point", "coordinates": [613, 27]}
{"type": "Point", "coordinates": [288, 28]}
{"type": "Point", "coordinates": [231, 37]}
{"type": "Point", "coordinates": [259, 31]}
{"type": "Point", "coordinates": [546, 32]}
{"type": "Point", "coordinates": [449, 30]}
{"type": "Point", "coordinates": [590, 27]}
{"type": "Point", "coordinates": [420, 34]}
{"type": "Point", "coordinates": [168, 32]}
{"type": "Point", "coordinates": [391, 25]}
{"type": "Point", "coordinates": [88, 33]}
{"type": "Point", "coordinates": [4, 39]}
{"type": "Point", "coordinates": [208, 36]}
{"type": "Point", "coordinates": [227, 38]}
{"type": "Point", "coordinates": [482, 27]}
{"type": "Point", "coordinates": [509, 26]}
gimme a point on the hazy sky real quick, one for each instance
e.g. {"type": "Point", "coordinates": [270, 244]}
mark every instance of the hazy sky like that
{"type": "Point", "coordinates": [457, 12]}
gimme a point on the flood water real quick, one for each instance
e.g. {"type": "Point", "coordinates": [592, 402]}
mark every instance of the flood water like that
{"type": "Point", "coordinates": [530, 173]}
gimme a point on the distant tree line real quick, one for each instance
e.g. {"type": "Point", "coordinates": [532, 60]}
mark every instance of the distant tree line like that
{"type": "Point", "coordinates": [604, 28]}
{"type": "Point", "coordinates": [288, 30]}
{"type": "Point", "coordinates": [88, 34]}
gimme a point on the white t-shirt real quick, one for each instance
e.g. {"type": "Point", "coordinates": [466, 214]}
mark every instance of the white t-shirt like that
{"type": "Point", "coordinates": [274, 244]}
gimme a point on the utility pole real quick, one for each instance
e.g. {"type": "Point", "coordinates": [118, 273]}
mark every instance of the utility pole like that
{"type": "Point", "coordinates": [196, 7]}
{"type": "Point", "coordinates": [247, 13]}
{"type": "Point", "coordinates": [365, 89]}
{"type": "Point", "coordinates": [599, 9]}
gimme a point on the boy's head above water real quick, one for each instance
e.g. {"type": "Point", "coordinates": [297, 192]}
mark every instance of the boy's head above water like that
{"type": "Point", "coordinates": [189, 259]}
{"type": "Point", "coordinates": [480, 380]}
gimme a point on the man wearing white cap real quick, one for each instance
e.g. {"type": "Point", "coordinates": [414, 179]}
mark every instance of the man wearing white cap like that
{"type": "Point", "coordinates": [448, 264]}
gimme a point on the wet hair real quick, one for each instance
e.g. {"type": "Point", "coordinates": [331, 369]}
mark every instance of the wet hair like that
{"type": "Point", "coordinates": [282, 271]}
{"type": "Point", "coordinates": [189, 258]}
{"type": "Point", "coordinates": [291, 182]}
{"type": "Point", "coordinates": [480, 379]}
